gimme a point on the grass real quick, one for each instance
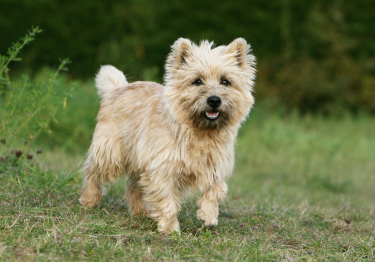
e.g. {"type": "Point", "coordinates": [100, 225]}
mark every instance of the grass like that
{"type": "Point", "coordinates": [302, 190]}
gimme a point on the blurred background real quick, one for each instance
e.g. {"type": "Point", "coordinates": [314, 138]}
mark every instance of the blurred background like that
{"type": "Point", "coordinates": [312, 128]}
{"type": "Point", "coordinates": [313, 56]}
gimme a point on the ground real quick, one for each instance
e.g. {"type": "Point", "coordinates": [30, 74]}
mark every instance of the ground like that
{"type": "Point", "coordinates": [302, 189]}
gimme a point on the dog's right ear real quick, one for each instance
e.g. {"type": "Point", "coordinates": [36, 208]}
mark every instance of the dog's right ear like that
{"type": "Point", "coordinates": [181, 50]}
{"type": "Point", "coordinates": [241, 51]}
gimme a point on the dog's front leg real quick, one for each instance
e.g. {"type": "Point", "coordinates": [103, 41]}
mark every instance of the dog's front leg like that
{"type": "Point", "coordinates": [163, 198]}
{"type": "Point", "coordinates": [209, 202]}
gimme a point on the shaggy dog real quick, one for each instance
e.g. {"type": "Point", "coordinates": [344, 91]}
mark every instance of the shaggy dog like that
{"type": "Point", "coordinates": [168, 138]}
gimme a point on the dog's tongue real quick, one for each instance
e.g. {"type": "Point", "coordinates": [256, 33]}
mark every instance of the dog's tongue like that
{"type": "Point", "coordinates": [212, 114]}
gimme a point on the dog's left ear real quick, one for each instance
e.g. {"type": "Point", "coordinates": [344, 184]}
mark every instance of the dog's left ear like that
{"type": "Point", "coordinates": [181, 49]}
{"type": "Point", "coordinates": [241, 52]}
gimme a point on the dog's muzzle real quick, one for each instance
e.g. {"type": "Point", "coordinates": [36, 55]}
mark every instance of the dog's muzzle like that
{"type": "Point", "coordinates": [214, 102]}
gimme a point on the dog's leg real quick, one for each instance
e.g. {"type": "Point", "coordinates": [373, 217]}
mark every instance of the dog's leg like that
{"type": "Point", "coordinates": [91, 192]}
{"type": "Point", "coordinates": [134, 197]}
{"type": "Point", "coordinates": [209, 203]}
{"type": "Point", "coordinates": [104, 163]}
{"type": "Point", "coordinates": [163, 197]}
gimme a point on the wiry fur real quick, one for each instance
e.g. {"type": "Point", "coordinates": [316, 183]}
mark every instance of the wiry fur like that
{"type": "Point", "coordinates": [158, 136]}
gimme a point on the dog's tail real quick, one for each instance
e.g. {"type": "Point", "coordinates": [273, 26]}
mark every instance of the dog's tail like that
{"type": "Point", "coordinates": [109, 79]}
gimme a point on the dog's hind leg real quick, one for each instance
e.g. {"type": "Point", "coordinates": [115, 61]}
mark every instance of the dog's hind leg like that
{"type": "Point", "coordinates": [209, 203]}
{"type": "Point", "coordinates": [91, 191]}
{"type": "Point", "coordinates": [134, 197]}
{"type": "Point", "coordinates": [104, 163]}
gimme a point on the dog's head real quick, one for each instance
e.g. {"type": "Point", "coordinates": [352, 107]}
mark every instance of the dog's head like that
{"type": "Point", "coordinates": [209, 87]}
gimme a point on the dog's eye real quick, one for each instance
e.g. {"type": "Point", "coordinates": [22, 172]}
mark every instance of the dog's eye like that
{"type": "Point", "coordinates": [225, 82]}
{"type": "Point", "coordinates": [197, 82]}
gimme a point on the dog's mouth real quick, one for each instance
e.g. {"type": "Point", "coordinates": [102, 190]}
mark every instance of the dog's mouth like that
{"type": "Point", "coordinates": [212, 116]}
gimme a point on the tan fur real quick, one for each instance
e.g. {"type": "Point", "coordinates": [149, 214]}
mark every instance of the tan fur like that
{"type": "Point", "coordinates": [158, 136]}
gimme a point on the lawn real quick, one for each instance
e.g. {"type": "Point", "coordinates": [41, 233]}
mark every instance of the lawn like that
{"type": "Point", "coordinates": [302, 189]}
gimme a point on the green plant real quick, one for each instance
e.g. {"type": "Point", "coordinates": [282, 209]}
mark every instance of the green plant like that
{"type": "Point", "coordinates": [26, 106]}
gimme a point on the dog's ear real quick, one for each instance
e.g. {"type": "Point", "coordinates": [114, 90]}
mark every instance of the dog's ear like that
{"type": "Point", "coordinates": [240, 49]}
{"type": "Point", "coordinates": [181, 49]}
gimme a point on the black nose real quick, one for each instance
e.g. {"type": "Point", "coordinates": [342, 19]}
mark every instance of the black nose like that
{"type": "Point", "coordinates": [214, 101]}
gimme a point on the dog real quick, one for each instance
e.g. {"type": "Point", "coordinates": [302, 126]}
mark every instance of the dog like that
{"type": "Point", "coordinates": [173, 137]}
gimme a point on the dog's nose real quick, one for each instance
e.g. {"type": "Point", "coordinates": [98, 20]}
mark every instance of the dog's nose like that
{"type": "Point", "coordinates": [214, 101]}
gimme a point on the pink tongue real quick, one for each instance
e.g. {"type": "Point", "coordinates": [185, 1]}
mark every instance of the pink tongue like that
{"type": "Point", "coordinates": [212, 114]}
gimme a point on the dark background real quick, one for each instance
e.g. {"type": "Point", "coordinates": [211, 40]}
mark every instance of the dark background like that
{"type": "Point", "coordinates": [313, 56]}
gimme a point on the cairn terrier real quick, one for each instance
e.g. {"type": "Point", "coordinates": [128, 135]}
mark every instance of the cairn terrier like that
{"type": "Point", "coordinates": [169, 138]}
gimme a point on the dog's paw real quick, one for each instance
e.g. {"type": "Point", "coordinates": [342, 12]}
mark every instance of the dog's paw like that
{"type": "Point", "coordinates": [90, 202]}
{"type": "Point", "coordinates": [167, 227]}
{"type": "Point", "coordinates": [138, 210]}
{"type": "Point", "coordinates": [207, 219]}
{"type": "Point", "coordinates": [167, 230]}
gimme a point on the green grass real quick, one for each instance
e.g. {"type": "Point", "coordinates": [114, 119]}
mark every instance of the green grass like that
{"type": "Point", "coordinates": [302, 190]}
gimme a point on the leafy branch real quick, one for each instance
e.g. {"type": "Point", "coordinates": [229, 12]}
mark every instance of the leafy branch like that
{"type": "Point", "coordinates": [27, 106]}
{"type": "Point", "coordinates": [12, 54]}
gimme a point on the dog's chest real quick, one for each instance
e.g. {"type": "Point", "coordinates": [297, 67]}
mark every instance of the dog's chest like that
{"type": "Point", "coordinates": [207, 158]}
